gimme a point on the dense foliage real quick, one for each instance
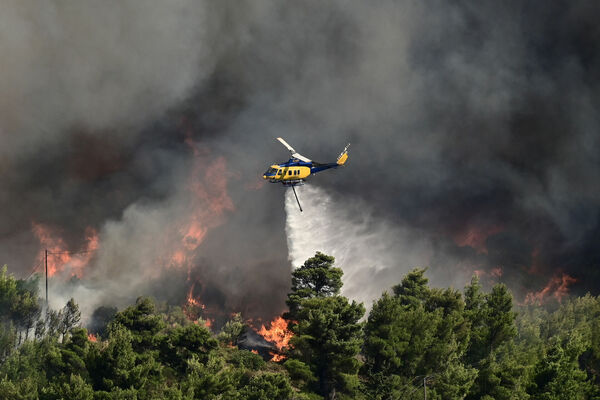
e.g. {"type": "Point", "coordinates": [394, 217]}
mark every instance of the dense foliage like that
{"type": "Point", "coordinates": [457, 345]}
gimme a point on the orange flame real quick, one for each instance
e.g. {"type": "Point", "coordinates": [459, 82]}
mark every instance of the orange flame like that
{"type": "Point", "coordinates": [59, 258]}
{"type": "Point", "coordinates": [193, 309]}
{"type": "Point", "coordinates": [193, 306]}
{"type": "Point", "coordinates": [476, 237]}
{"type": "Point", "coordinates": [277, 333]}
{"type": "Point", "coordinates": [277, 357]}
{"type": "Point", "coordinates": [92, 337]}
{"type": "Point", "coordinates": [191, 301]}
{"type": "Point", "coordinates": [557, 287]}
{"type": "Point", "coordinates": [208, 203]}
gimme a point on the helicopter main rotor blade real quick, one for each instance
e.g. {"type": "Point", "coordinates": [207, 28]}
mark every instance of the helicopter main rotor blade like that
{"type": "Point", "coordinates": [283, 142]}
{"type": "Point", "coordinates": [294, 153]}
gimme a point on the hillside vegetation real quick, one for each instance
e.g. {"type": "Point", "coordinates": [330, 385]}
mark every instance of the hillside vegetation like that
{"type": "Point", "coordinates": [457, 345]}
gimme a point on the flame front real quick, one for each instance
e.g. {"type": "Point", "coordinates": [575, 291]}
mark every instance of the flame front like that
{"type": "Point", "coordinates": [191, 301]}
{"type": "Point", "coordinates": [59, 257]}
{"type": "Point", "coordinates": [92, 337]}
{"type": "Point", "coordinates": [277, 357]}
{"type": "Point", "coordinates": [194, 310]}
{"type": "Point", "coordinates": [208, 201]}
{"type": "Point", "coordinates": [277, 333]}
{"type": "Point", "coordinates": [476, 237]}
{"type": "Point", "coordinates": [193, 307]}
{"type": "Point", "coordinates": [557, 287]}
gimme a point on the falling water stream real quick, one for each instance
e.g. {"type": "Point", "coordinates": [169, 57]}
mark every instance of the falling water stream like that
{"type": "Point", "coordinates": [373, 255]}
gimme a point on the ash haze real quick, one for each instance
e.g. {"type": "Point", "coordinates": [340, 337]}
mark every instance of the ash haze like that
{"type": "Point", "coordinates": [474, 130]}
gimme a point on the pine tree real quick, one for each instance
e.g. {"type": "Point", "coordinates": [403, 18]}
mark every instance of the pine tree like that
{"type": "Point", "coordinates": [317, 277]}
{"type": "Point", "coordinates": [327, 334]}
{"type": "Point", "coordinates": [417, 332]}
{"type": "Point", "coordinates": [143, 324]}
{"type": "Point", "coordinates": [70, 318]}
{"type": "Point", "coordinates": [491, 347]}
{"type": "Point", "coordinates": [75, 388]}
{"type": "Point", "coordinates": [558, 376]}
{"type": "Point", "coordinates": [267, 386]}
{"type": "Point", "coordinates": [231, 331]}
{"type": "Point", "coordinates": [327, 338]}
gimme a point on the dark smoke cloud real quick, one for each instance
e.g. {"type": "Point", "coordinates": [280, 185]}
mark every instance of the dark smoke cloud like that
{"type": "Point", "coordinates": [464, 118]}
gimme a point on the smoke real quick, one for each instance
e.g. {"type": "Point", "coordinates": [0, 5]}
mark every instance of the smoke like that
{"type": "Point", "coordinates": [372, 253]}
{"type": "Point", "coordinates": [95, 66]}
{"type": "Point", "coordinates": [476, 124]}
{"type": "Point", "coordinates": [474, 131]}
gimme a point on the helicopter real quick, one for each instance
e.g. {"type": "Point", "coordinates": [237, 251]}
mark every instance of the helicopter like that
{"type": "Point", "coordinates": [295, 171]}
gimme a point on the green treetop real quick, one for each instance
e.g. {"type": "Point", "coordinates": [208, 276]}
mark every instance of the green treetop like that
{"type": "Point", "coordinates": [327, 334]}
{"type": "Point", "coordinates": [317, 277]}
{"type": "Point", "coordinates": [418, 332]}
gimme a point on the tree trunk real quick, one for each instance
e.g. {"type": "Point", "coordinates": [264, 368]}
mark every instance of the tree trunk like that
{"type": "Point", "coordinates": [332, 394]}
{"type": "Point", "coordinates": [27, 328]}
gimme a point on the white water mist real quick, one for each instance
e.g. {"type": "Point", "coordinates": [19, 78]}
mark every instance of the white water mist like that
{"type": "Point", "coordinates": [373, 254]}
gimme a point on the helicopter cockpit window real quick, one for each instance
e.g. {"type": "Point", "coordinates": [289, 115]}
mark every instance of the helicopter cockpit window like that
{"type": "Point", "coordinates": [271, 171]}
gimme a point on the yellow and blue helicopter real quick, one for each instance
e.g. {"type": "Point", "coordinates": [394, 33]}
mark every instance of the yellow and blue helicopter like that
{"type": "Point", "coordinates": [295, 171]}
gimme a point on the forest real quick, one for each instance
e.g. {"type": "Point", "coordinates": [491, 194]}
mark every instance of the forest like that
{"type": "Point", "coordinates": [416, 341]}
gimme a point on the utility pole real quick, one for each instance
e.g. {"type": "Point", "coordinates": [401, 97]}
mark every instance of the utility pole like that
{"type": "Point", "coordinates": [46, 262]}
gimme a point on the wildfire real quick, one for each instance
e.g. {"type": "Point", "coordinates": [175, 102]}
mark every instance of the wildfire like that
{"type": "Point", "coordinates": [208, 201]}
{"type": "Point", "coordinates": [557, 287]}
{"type": "Point", "coordinates": [193, 306]}
{"type": "Point", "coordinates": [194, 303]}
{"type": "Point", "coordinates": [492, 275]}
{"type": "Point", "coordinates": [193, 309]}
{"type": "Point", "coordinates": [476, 237]}
{"type": "Point", "coordinates": [191, 301]}
{"type": "Point", "coordinates": [92, 337]}
{"type": "Point", "coordinates": [277, 357]}
{"type": "Point", "coordinates": [59, 258]}
{"type": "Point", "coordinates": [277, 333]}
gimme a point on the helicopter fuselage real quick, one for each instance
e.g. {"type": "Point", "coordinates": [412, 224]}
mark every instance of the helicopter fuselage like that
{"type": "Point", "coordinates": [294, 171]}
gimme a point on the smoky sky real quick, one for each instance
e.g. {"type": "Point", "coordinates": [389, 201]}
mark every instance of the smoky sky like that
{"type": "Point", "coordinates": [474, 126]}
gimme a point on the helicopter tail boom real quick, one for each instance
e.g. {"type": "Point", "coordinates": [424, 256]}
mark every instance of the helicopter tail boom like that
{"type": "Point", "coordinates": [343, 157]}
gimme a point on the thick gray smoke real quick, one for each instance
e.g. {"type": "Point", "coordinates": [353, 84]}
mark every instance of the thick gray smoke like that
{"type": "Point", "coordinates": [474, 131]}
{"type": "Point", "coordinates": [96, 67]}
